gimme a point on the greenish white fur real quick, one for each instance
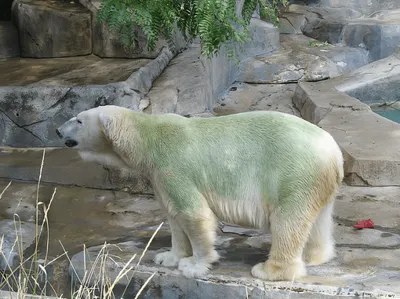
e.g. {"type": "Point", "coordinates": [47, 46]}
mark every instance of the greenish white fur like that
{"type": "Point", "coordinates": [268, 170]}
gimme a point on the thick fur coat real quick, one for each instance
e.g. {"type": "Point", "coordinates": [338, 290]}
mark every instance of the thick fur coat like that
{"type": "Point", "coordinates": [267, 170]}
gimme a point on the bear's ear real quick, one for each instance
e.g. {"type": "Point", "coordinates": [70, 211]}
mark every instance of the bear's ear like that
{"type": "Point", "coordinates": [106, 124]}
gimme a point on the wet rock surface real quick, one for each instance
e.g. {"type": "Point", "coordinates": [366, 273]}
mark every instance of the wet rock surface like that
{"type": "Point", "coordinates": [68, 71]}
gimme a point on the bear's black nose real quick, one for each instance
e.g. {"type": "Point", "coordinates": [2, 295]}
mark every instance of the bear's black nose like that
{"type": "Point", "coordinates": [71, 143]}
{"type": "Point", "coordinates": [58, 133]}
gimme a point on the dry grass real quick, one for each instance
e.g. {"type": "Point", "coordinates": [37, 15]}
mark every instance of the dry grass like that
{"type": "Point", "coordinates": [30, 275]}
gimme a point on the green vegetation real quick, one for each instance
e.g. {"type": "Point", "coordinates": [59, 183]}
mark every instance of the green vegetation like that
{"type": "Point", "coordinates": [214, 22]}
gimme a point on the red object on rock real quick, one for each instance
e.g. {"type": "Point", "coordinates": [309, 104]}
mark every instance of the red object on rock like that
{"type": "Point", "coordinates": [365, 224]}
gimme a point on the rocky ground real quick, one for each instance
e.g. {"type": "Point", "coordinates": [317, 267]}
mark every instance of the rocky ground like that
{"type": "Point", "coordinates": [367, 262]}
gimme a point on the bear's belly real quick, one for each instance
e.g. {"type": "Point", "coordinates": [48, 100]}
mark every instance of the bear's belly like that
{"type": "Point", "coordinates": [250, 211]}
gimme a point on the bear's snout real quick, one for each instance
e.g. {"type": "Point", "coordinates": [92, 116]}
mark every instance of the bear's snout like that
{"type": "Point", "coordinates": [71, 143]}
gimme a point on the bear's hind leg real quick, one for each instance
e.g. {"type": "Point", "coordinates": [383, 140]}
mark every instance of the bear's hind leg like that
{"type": "Point", "coordinates": [180, 246]}
{"type": "Point", "coordinates": [201, 230]}
{"type": "Point", "coordinates": [290, 228]}
{"type": "Point", "coordinates": [320, 247]}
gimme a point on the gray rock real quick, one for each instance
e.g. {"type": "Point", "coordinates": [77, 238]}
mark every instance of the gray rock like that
{"type": "Point", "coordinates": [52, 29]}
{"type": "Point", "coordinates": [30, 114]}
{"type": "Point", "coordinates": [379, 37]}
{"type": "Point", "coordinates": [365, 7]}
{"type": "Point", "coordinates": [367, 139]}
{"type": "Point", "coordinates": [11, 233]}
{"type": "Point", "coordinates": [249, 97]}
{"type": "Point", "coordinates": [107, 44]}
{"type": "Point", "coordinates": [299, 60]}
{"type": "Point", "coordinates": [9, 42]}
{"type": "Point", "coordinates": [291, 23]}
{"type": "Point", "coordinates": [182, 87]}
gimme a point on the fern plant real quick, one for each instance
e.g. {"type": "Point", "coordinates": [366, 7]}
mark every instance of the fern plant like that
{"type": "Point", "coordinates": [215, 22]}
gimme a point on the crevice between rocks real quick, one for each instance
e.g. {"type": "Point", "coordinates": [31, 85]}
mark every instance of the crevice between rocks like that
{"type": "Point", "coordinates": [21, 127]}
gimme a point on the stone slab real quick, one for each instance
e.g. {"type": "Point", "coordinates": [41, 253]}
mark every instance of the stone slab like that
{"type": "Point", "coordinates": [52, 28]}
{"type": "Point", "coordinates": [368, 141]}
{"type": "Point", "coordinates": [9, 42]}
{"type": "Point", "coordinates": [64, 167]}
{"type": "Point", "coordinates": [377, 269]}
{"type": "Point", "coordinates": [67, 71]}
{"type": "Point", "coordinates": [300, 60]}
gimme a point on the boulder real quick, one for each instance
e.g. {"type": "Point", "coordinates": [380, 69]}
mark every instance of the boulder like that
{"type": "Point", "coordinates": [53, 28]}
{"type": "Point", "coordinates": [106, 43]}
{"type": "Point", "coordinates": [9, 43]}
{"type": "Point", "coordinates": [379, 37]}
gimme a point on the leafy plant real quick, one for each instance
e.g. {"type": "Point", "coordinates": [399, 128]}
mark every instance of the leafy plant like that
{"type": "Point", "coordinates": [214, 22]}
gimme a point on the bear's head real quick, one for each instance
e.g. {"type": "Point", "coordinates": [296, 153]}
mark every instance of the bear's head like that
{"type": "Point", "coordinates": [92, 133]}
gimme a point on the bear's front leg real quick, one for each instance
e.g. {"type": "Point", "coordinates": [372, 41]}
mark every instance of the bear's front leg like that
{"type": "Point", "coordinates": [180, 246]}
{"type": "Point", "coordinates": [200, 228]}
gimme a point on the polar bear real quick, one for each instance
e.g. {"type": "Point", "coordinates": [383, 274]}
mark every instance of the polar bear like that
{"type": "Point", "coordinates": [263, 169]}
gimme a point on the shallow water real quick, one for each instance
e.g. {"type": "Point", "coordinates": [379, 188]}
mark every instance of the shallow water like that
{"type": "Point", "coordinates": [388, 112]}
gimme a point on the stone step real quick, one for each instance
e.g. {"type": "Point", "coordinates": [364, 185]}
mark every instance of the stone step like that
{"type": "Point", "coordinates": [63, 166]}
{"type": "Point", "coordinates": [301, 58]}
{"type": "Point", "coordinates": [368, 141]}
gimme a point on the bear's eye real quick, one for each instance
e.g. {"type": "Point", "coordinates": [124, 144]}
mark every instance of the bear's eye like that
{"type": "Point", "coordinates": [79, 121]}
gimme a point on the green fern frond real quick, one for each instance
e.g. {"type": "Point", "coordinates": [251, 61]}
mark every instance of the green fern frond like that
{"type": "Point", "coordinates": [214, 21]}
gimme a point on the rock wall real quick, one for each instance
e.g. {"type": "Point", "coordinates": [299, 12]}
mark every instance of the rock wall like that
{"type": "Point", "coordinates": [69, 28]}
{"type": "Point", "coordinates": [9, 40]}
{"type": "Point", "coordinates": [30, 114]}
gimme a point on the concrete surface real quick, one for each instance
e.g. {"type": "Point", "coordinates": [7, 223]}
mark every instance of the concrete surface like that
{"type": "Point", "coordinates": [369, 141]}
